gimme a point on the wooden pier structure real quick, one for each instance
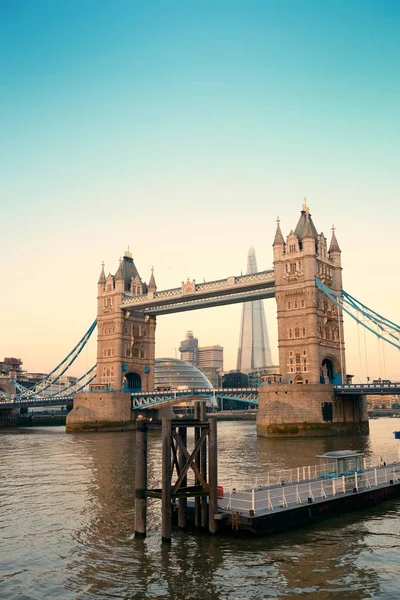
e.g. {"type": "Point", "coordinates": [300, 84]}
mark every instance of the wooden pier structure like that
{"type": "Point", "coordinates": [178, 460]}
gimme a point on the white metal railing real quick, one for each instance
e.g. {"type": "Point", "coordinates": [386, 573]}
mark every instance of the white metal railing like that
{"type": "Point", "coordinates": [274, 498]}
{"type": "Point", "coordinates": [309, 472]}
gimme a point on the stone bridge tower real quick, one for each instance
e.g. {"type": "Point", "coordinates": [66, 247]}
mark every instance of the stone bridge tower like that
{"type": "Point", "coordinates": [125, 339]}
{"type": "Point", "coordinates": [311, 342]}
{"type": "Point", "coordinates": [310, 327]}
{"type": "Point", "coordinates": [125, 353]}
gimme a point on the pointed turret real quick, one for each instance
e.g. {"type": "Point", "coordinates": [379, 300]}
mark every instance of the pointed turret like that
{"type": "Point", "coordinates": [152, 287]}
{"type": "Point", "coordinates": [305, 218]}
{"type": "Point", "coordinates": [102, 278]}
{"type": "Point", "coordinates": [119, 274]}
{"type": "Point", "coordinates": [334, 246]}
{"type": "Point", "coordinates": [278, 234]}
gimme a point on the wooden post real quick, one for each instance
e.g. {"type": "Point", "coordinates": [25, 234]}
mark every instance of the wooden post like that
{"type": "Point", "coordinates": [197, 434]}
{"type": "Point", "coordinates": [141, 479]}
{"type": "Point", "coordinates": [213, 475]}
{"type": "Point", "coordinates": [203, 466]}
{"type": "Point", "coordinates": [182, 432]}
{"type": "Point", "coordinates": [166, 518]}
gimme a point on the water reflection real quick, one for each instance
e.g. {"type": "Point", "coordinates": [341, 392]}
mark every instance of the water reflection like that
{"type": "Point", "coordinates": [67, 519]}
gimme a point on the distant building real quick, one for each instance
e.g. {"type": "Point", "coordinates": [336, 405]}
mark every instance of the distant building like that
{"type": "Point", "coordinates": [264, 374]}
{"type": "Point", "coordinates": [175, 374]}
{"type": "Point", "coordinates": [235, 379]}
{"type": "Point", "coordinates": [211, 363]}
{"type": "Point", "coordinates": [209, 359]}
{"type": "Point", "coordinates": [254, 349]}
{"type": "Point", "coordinates": [13, 364]}
{"type": "Point", "coordinates": [189, 349]}
{"type": "Point", "coordinates": [12, 368]}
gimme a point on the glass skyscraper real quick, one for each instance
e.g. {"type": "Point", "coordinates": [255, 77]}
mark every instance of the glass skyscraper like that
{"type": "Point", "coordinates": [254, 349]}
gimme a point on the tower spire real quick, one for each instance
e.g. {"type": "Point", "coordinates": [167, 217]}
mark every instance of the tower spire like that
{"type": "Point", "coordinates": [119, 274]}
{"type": "Point", "coordinates": [152, 287]}
{"type": "Point", "coordinates": [102, 278]}
{"type": "Point", "coordinates": [278, 234]}
{"type": "Point", "coordinates": [334, 246]}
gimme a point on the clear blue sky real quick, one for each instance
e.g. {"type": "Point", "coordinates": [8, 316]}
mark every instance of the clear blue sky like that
{"type": "Point", "coordinates": [183, 129]}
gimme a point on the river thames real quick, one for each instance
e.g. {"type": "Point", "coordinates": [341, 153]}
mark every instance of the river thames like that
{"type": "Point", "coordinates": [67, 521]}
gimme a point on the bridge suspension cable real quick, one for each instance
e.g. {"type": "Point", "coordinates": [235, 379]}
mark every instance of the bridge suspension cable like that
{"type": "Point", "coordinates": [383, 328]}
{"type": "Point", "coordinates": [54, 376]}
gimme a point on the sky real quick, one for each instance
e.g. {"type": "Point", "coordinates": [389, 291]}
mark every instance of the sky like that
{"type": "Point", "coordinates": [184, 129]}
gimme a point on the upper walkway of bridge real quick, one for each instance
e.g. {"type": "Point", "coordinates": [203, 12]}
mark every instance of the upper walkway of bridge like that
{"type": "Point", "coordinates": [192, 295]}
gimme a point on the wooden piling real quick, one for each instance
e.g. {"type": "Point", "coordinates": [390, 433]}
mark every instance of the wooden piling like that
{"type": "Point", "coordinates": [197, 434]}
{"type": "Point", "coordinates": [176, 456]}
{"type": "Point", "coordinates": [203, 468]}
{"type": "Point", "coordinates": [166, 509]}
{"type": "Point", "coordinates": [213, 475]}
{"type": "Point", "coordinates": [182, 502]}
{"type": "Point", "coordinates": [141, 479]}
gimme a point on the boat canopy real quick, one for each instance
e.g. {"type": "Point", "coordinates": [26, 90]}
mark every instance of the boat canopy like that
{"type": "Point", "coordinates": [340, 454]}
{"type": "Point", "coordinates": [341, 462]}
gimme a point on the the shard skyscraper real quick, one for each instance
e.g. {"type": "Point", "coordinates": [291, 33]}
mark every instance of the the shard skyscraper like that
{"type": "Point", "coordinates": [254, 350]}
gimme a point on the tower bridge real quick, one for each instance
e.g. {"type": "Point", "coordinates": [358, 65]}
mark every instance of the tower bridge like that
{"type": "Point", "coordinates": [306, 282]}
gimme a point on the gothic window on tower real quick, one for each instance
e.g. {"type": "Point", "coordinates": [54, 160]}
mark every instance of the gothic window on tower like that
{"type": "Point", "coordinates": [289, 305]}
{"type": "Point", "coordinates": [302, 304]}
{"type": "Point", "coordinates": [303, 332]}
{"type": "Point", "coordinates": [296, 332]}
{"type": "Point", "coordinates": [293, 267]}
{"type": "Point", "coordinates": [295, 304]}
{"type": "Point", "coordinates": [292, 248]}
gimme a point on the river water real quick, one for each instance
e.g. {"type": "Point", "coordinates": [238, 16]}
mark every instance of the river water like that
{"type": "Point", "coordinates": [67, 521]}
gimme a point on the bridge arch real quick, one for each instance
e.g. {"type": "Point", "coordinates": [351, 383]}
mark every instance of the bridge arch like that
{"type": "Point", "coordinates": [330, 370]}
{"type": "Point", "coordinates": [132, 382]}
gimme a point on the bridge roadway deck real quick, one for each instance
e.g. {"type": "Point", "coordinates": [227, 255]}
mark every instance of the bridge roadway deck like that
{"type": "Point", "coordinates": [149, 399]}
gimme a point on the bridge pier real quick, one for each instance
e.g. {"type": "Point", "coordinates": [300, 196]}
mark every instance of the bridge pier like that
{"type": "Point", "coordinates": [309, 410]}
{"type": "Point", "coordinates": [100, 410]}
